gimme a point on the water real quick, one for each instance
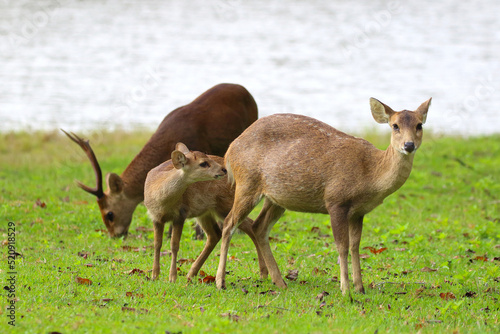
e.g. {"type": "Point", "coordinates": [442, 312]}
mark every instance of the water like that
{"type": "Point", "coordinates": [80, 65]}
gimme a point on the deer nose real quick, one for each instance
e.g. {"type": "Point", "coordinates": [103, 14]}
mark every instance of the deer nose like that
{"type": "Point", "coordinates": [409, 146]}
{"type": "Point", "coordinates": [224, 170]}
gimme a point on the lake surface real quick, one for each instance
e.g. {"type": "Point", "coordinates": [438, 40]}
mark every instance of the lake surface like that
{"type": "Point", "coordinates": [80, 65]}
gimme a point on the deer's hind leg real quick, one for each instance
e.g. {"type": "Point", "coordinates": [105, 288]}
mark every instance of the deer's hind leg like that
{"type": "Point", "coordinates": [213, 232]}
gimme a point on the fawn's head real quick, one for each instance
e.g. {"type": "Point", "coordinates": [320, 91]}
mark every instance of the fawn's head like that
{"type": "Point", "coordinates": [196, 166]}
{"type": "Point", "coordinates": [406, 125]}
{"type": "Point", "coordinates": [115, 206]}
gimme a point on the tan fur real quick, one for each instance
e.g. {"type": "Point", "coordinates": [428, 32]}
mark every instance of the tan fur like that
{"type": "Point", "coordinates": [298, 163]}
{"type": "Point", "coordinates": [208, 124]}
{"type": "Point", "coordinates": [174, 192]}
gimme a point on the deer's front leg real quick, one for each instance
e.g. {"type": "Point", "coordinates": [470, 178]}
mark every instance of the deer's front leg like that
{"type": "Point", "coordinates": [158, 240]}
{"type": "Point", "coordinates": [175, 241]}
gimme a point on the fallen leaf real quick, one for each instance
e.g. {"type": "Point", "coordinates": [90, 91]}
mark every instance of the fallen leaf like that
{"type": "Point", "coordinates": [481, 258]}
{"type": "Point", "coordinates": [83, 281]}
{"type": "Point", "coordinates": [447, 295]}
{"type": "Point", "coordinates": [128, 309]}
{"type": "Point", "coordinates": [470, 294]}
{"type": "Point", "coordinates": [315, 229]}
{"type": "Point", "coordinates": [427, 269]}
{"type": "Point", "coordinates": [292, 274]}
{"type": "Point", "coordinates": [182, 261]}
{"type": "Point", "coordinates": [5, 242]}
{"type": "Point", "coordinates": [127, 248]}
{"type": "Point", "coordinates": [65, 199]}
{"type": "Point", "coordinates": [134, 295]}
{"type": "Point", "coordinates": [107, 299]}
{"type": "Point", "coordinates": [134, 271]}
{"type": "Point", "coordinates": [245, 291]}
{"type": "Point", "coordinates": [208, 279]}
{"type": "Point", "coordinates": [85, 255]}
{"type": "Point", "coordinates": [268, 292]}
{"type": "Point", "coordinates": [317, 271]}
{"type": "Point", "coordinates": [374, 250]}
{"type": "Point", "coordinates": [202, 273]}
{"type": "Point", "coordinates": [88, 265]}
{"type": "Point", "coordinates": [322, 295]}
{"type": "Point", "coordinates": [40, 204]}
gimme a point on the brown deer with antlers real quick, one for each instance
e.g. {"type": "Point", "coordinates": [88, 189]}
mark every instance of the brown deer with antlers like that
{"type": "Point", "coordinates": [208, 124]}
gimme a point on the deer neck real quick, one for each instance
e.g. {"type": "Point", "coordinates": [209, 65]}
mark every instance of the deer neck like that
{"type": "Point", "coordinates": [393, 170]}
{"type": "Point", "coordinates": [173, 188]}
{"type": "Point", "coordinates": [135, 174]}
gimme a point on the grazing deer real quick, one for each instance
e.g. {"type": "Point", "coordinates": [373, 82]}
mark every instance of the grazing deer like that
{"type": "Point", "coordinates": [301, 164]}
{"type": "Point", "coordinates": [174, 192]}
{"type": "Point", "coordinates": [208, 124]}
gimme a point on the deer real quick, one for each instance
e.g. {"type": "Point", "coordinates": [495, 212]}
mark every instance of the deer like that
{"type": "Point", "coordinates": [190, 185]}
{"type": "Point", "coordinates": [207, 124]}
{"type": "Point", "coordinates": [298, 163]}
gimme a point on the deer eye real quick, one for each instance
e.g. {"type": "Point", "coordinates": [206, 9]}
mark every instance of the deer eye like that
{"type": "Point", "coordinates": [204, 164]}
{"type": "Point", "coordinates": [110, 216]}
{"type": "Point", "coordinates": [419, 126]}
{"type": "Point", "coordinates": [395, 127]}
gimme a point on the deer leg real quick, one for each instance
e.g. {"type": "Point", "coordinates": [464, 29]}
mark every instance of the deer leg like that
{"type": "Point", "coordinates": [199, 235]}
{"type": "Point", "coordinates": [340, 228]}
{"type": "Point", "coordinates": [213, 232]}
{"type": "Point", "coordinates": [158, 231]}
{"type": "Point", "coordinates": [246, 226]}
{"type": "Point", "coordinates": [262, 226]}
{"type": "Point", "coordinates": [355, 229]}
{"type": "Point", "coordinates": [175, 241]}
{"type": "Point", "coordinates": [243, 205]}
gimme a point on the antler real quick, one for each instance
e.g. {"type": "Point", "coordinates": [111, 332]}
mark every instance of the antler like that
{"type": "Point", "coordinates": [84, 144]}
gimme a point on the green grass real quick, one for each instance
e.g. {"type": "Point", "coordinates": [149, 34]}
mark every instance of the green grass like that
{"type": "Point", "coordinates": [446, 218]}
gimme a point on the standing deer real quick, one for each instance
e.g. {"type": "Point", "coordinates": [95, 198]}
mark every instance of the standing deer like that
{"type": "Point", "coordinates": [208, 124]}
{"type": "Point", "coordinates": [174, 191]}
{"type": "Point", "coordinates": [301, 164]}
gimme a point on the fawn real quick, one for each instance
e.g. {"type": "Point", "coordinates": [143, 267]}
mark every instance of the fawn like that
{"type": "Point", "coordinates": [191, 184]}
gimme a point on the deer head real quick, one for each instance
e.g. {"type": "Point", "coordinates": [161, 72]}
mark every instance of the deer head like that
{"type": "Point", "coordinates": [406, 125]}
{"type": "Point", "coordinates": [196, 166]}
{"type": "Point", "coordinates": [115, 206]}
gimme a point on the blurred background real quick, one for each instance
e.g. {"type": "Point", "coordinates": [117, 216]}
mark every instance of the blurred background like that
{"type": "Point", "coordinates": [94, 64]}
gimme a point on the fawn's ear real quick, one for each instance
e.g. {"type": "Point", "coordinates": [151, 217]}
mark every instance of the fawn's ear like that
{"type": "Point", "coordinates": [182, 148]}
{"type": "Point", "coordinates": [380, 112]}
{"type": "Point", "coordinates": [422, 110]}
{"type": "Point", "coordinates": [114, 182]}
{"type": "Point", "coordinates": [178, 159]}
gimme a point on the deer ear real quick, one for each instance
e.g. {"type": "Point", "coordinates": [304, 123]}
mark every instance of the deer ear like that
{"type": "Point", "coordinates": [422, 110]}
{"type": "Point", "coordinates": [178, 159]}
{"type": "Point", "coordinates": [114, 182]}
{"type": "Point", "coordinates": [380, 112]}
{"type": "Point", "coordinates": [181, 147]}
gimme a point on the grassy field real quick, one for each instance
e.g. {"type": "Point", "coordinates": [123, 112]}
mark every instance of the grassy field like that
{"type": "Point", "coordinates": [431, 263]}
